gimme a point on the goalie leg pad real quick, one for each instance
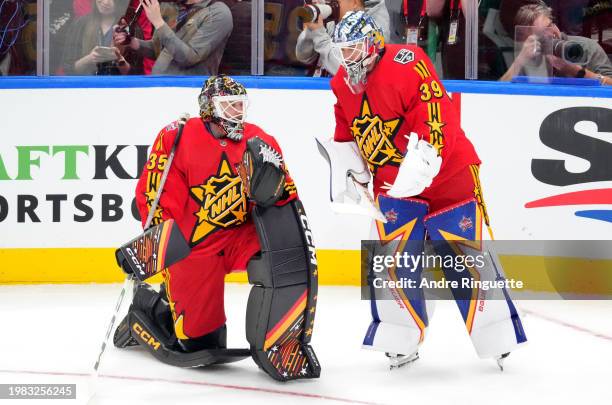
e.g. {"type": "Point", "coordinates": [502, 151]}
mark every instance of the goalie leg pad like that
{"type": "Point", "coordinates": [281, 305]}
{"type": "Point", "coordinates": [149, 324]}
{"type": "Point", "coordinates": [489, 315]}
{"type": "Point", "coordinates": [148, 334]}
{"type": "Point", "coordinates": [399, 315]}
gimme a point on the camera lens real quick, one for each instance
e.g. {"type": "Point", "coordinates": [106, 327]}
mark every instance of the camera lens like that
{"type": "Point", "coordinates": [308, 13]}
{"type": "Point", "coordinates": [568, 50]}
{"type": "Point", "coordinates": [573, 52]}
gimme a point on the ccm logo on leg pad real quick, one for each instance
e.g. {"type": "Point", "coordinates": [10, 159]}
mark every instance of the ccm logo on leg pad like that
{"type": "Point", "coordinates": [145, 336]}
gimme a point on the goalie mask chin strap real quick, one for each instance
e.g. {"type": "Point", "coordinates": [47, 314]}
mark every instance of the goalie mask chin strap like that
{"type": "Point", "coordinates": [215, 130]}
{"type": "Point", "coordinates": [219, 132]}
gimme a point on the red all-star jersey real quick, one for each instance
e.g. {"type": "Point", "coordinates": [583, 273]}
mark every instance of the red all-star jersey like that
{"type": "Point", "coordinates": [203, 192]}
{"type": "Point", "coordinates": [403, 95]}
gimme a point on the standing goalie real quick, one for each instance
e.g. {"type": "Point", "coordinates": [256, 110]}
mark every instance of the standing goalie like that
{"type": "Point", "coordinates": [396, 123]}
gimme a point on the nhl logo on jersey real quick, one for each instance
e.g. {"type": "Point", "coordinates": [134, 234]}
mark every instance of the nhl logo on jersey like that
{"type": "Point", "coordinates": [404, 56]}
{"type": "Point", "coordinates": [374, 137]}
{"type": "Point", "coordinates": [222, 202]}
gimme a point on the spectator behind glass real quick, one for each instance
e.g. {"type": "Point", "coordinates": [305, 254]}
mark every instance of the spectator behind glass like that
{"type": "Point", "coordinates": [193, 46]}
{"type": "Point", "coordinates": [441, 17]}
{"type": "Point", "coordinates": [508, 10]}
{"type": "Point", "coordinates": [595, 63]}
{"type": "Point", "coordinates": [570, 15]}
{"type": "Point", "coordinates": [89, 47]}
{"type": "Point", "coordinates": [314, 43]}
{"type": "Point", "coordinates": [407, 13]}
{"type": "Point", "coordinates": [444, 13]}
{"type": "Point", "coordinates": [145, 27]}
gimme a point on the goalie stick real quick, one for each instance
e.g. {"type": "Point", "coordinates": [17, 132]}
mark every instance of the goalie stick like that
{"type": "Point", "coordinates": [128, 284]}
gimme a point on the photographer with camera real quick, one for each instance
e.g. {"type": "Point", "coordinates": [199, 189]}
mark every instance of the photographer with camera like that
{"type": "Point", "coordinates": [548, 48]}
{"type": "Point", "coordinates": [320, 16]}
{"type": "Point", "coordinates": [194, 46]}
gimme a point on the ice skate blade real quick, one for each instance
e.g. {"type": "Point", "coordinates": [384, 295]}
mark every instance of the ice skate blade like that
{"type": "Point", "coordinates": [500, 360]}
{"type": "Point", "coordinates": [399, 361]}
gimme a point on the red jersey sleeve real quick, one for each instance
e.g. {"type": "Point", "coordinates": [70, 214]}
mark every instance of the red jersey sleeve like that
{"type": "Point", "coordinates": [430, 113]}
{"type": "Point", "coordinates": [176, 191]}
{"type": "Point", "coordinates": [342, 132]}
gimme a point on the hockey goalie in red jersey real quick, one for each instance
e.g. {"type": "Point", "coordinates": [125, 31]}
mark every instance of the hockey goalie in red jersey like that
{"type": "Point", "coordinates": [230, 194]}
{"type": "Point", "coordinates": [396, 124]}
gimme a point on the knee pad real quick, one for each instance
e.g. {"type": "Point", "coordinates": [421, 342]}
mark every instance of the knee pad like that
{"type": "Point", "coordinates": [404, 218]}
{"type": "Point", "coordinates": [282, 302]}
{"type": "Point", "coordinates": [456, 232]}
{"type": "Point", "coordinates": [459, 222]}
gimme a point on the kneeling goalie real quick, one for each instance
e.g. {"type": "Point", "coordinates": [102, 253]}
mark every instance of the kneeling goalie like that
{"type": "Point", "coordinates": [230, 195]}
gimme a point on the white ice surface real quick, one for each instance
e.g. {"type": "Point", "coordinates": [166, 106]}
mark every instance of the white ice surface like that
{"type": "Point", "coordinates": [52, 334]}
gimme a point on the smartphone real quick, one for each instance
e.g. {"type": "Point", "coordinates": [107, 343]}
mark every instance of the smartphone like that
{"type": "Point", "coordinates": [107, 52]}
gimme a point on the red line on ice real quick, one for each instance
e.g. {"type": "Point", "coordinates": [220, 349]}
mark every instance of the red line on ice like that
{"type": "Point", "coordinates": [191, 382]}
{"type": "Point", "coordinates": [569, 325]}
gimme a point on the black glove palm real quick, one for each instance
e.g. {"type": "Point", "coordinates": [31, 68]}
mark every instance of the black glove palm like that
{"type": "Point", "coordinates": [262, 172]}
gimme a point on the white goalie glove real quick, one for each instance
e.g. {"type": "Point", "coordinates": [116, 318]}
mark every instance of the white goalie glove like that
{"type": "Point", "coordinates": [417, 170]}
{"type": "Point", "coordinates": [349, 177]}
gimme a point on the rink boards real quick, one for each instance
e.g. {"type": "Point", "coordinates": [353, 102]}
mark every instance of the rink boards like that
{"type": "Point", "coordinates": [71, 149]}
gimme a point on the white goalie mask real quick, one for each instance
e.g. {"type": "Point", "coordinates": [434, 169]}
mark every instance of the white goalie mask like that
{"type": "Point", "coordinates": [231, 108]}
{"type": "Point", "coordinates": [355, 56]}
{"type": "Point", "coordinates": [358, 42]}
